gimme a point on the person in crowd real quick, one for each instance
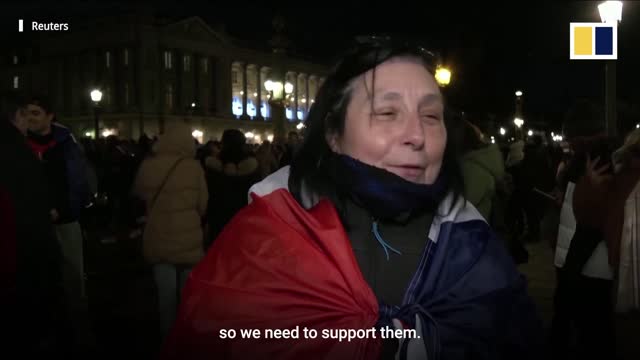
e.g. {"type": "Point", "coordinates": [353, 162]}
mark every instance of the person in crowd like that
{"type": "Point", "coordinates": [66, 173]}
{"type": "Point", "coordinates": [367, 228]}
{"type": "Point", "coordinates": [622, 223]}
{"type": "Point", "coordinates": [482, 169]}
{"type": "Point", "coordinates": [32, 293]}
{"type": "Point", "coordinates": [515, 215]}
{"type": "Point", "coordinates": [293, 142]}
{"type": "Point", "coordinates": [144, 146]}
{"type": "Point", "coordinates": [230, 175]}
{"type": "Point", "coordinates": [266, 159]}
{"type": "Point", "coordinates": [538, 175]}
{"type": "Point", "coordinates": [173, 187]}
{"type": "Point", "coordinates": [583, 308]}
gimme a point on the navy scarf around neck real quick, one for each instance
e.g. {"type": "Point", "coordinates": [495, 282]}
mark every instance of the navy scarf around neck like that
{"type": "Point", "coordinates": [384, 194]}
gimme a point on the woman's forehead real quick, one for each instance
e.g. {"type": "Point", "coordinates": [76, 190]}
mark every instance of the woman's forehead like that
{"type": "Point", "coordinates": [391, 80]}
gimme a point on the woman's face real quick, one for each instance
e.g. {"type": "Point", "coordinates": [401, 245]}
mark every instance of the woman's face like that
{"type": "Point", "coordinates": [398, 125]}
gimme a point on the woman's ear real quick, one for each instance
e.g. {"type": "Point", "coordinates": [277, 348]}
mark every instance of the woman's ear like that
{"type": "Point", "coordinates": [332, 141]}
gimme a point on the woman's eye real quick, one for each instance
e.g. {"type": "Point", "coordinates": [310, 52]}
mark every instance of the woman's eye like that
{"type": "Point", "coordinates": [385, 114]}
{"type": "Point", "coordinates": [431, 118]}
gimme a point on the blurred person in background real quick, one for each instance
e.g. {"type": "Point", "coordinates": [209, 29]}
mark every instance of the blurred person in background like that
{"type": "Point", "coordinates": [66, 173]}
{"type": "Point", "coordinates": [172, 185]}
{"type": "Point", "coordinates": [31, 281]}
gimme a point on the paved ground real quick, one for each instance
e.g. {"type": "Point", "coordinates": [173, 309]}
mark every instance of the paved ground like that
{"type": "Point", "coordinates": [540, 273]}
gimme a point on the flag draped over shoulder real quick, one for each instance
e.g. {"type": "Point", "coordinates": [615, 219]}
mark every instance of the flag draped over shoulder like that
{"type": "Point", "coordinates": [276, 266]}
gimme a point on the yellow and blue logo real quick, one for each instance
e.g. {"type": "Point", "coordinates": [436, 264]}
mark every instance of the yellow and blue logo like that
{"type": "Point", "coordinates": [593, 41]}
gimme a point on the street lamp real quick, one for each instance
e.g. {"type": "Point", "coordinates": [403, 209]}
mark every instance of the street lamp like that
{"type": "Point", "coordinates": [443, 76]}
{"type": "Point", "coordinates": [198, 135]}
{"type": "Point", "coordinates": [96, 97]}
{"type": "Point", "coordinates": [518, 93]}
{"type": "Point", "coordinates": [530, 133]}
{"type": "Point", "coordinates": [278, 100]}
{"type": "Point", "coordinates": [610, 12]}
{"type": "Point", "coordinates": [519, 122]}
{"type": "Point", "coordinates": [503, 131]}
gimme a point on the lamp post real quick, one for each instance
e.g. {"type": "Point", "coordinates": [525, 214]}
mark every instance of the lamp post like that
{"type": "Point", "coordinates": [518, 118]}
{"type": "Point", "coordinates": [519, 94]}
{"type": "Point", "coordinates": [96, 96]}
{"type": "Point", "coordinates": [610, 12]}
{"type": "Point", "coordinates": [278, 93]}
{"type": "Point", "coordinates": [519, 123]}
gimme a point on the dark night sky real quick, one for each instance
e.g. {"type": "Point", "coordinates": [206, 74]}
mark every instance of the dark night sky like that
{"type": "Point", "coordinates": [524, 46]}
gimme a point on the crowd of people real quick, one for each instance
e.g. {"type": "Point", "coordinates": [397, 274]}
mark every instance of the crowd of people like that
{"type": "Point", "coordinates": [389, 211]}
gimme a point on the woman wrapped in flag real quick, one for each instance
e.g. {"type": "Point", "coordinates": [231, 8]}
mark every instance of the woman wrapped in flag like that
{"type": "Point", "coordinates": [368, 228]}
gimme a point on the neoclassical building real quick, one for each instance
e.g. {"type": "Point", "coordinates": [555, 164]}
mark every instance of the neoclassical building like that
{"type": "Point", "coordinates": [152, 73]}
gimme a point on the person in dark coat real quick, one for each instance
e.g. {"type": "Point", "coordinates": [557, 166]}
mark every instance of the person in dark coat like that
{"type": "Point", "coordinates": [67, 175]}
{"type": "Point", "coordinates": [32, 285]}
{"type": "Point", "coordinates": [229, 176]}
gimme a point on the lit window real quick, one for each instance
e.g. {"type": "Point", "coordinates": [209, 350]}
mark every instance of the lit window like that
{"type": "Point", "coordinates": [126, 57]}
{"type": "Point", "coordinates": [289, 113]}
{"type": "Point", "coordinates": [300, 114]}
{"type": "Point", "coordinates": [107, 59]}
{"type": "Point", "coordinates": [167, 60]}
{"type": "Point", "coordinates": [251, 108]}
{"type": "Point", "coordinates": [236, 106]}
{"type": "Point", "coordinates": [205, 65]}
{"type": "Point", "coordinates": [169, 96]}
{"type": "Point", "coordinates": [16, 82]}
{"type": "Point", "coordinates": [187, 63]}
{"type": "Point", "coordinates": [264, 110]}
{"type": "Point", "coordinates": [15, 59]}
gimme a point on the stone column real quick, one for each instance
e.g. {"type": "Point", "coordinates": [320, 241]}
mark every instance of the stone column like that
{"type": "Point", "coordinates": [259, 92]}
{"type": "Point", "coordinates": [245, 115]}
{"type": "Point", "coordinates": [222, 85]}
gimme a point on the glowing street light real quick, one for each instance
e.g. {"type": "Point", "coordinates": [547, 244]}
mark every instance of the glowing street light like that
{"type": "Point", "coordinates": [519, 93]}
{"type": "Point", "coordinates": [610, 11]}
{"type": "Point", "coordinates": [519, 122]}
{"type": "Point", "coordinates": [443, 76]}
{"type": "Point", "coordinates": [96, 96]}
{"type": "Point", "coordinates": [288, 88]}
{"type": "Point", "coordinates": [503, 131]}
{"type": "Point", "coordinates": [530, 133]}
{"type": "Point", "coordinates": [249, 135]}
{"type": "Point", "coordinates": [300, 126]}
{"type": "Point", "coordinates": [197, 133]}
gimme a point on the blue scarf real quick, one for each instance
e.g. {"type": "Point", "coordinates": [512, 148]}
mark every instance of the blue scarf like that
{"type": "Point", "coordinates": [384, 194]}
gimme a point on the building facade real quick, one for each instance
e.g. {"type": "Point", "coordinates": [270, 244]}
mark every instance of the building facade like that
{"type": "Point", "coordinates": [152, 73]}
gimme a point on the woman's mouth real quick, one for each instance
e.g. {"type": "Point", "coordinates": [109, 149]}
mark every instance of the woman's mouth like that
{"type": "Point", "coordinates": [408, 172]}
